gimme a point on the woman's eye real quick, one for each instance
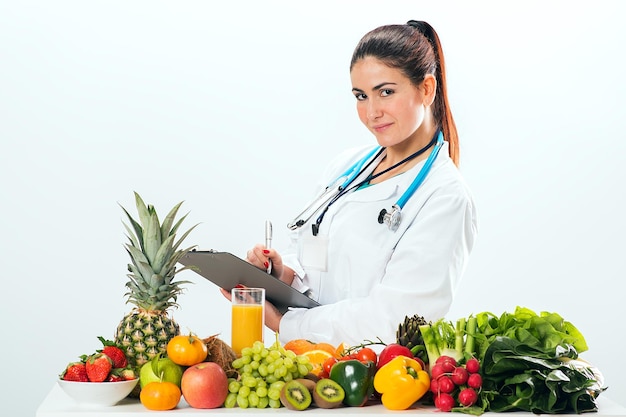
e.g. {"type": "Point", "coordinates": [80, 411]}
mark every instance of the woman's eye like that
{"type": "Point", "coordinates": [386, 92]}
{"type": "Point", "coordinates": [360, 96]}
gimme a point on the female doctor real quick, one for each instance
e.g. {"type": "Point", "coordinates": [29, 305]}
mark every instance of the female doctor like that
{"type": "Point", "coordinates": [391, 233]}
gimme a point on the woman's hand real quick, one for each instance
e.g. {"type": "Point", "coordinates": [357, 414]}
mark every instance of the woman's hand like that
{"type": "Point", "coordinates": [272, 315]}
{"type": "Point", "coordinates": [260, 256]}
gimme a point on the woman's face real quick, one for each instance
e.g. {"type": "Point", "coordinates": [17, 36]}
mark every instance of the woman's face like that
{"type": "Point", "coordinates": [388, 104]}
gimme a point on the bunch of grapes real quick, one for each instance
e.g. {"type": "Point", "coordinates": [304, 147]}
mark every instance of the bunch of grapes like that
{"type": "Point", "coordinates": [453, 384]}
{"type": "Point", "coordinates": [263, 372]}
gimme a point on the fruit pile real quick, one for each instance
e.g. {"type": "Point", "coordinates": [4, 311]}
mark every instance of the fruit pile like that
{"type": "Point", "coordinates": [454, 384]}
{"type": "Point", "coordinates": [108, 364]}
{"type": "Point", "coordinates": [263, 373]}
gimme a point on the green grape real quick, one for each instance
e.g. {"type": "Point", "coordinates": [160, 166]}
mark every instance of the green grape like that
{"type": "Point", "coordinates": [270, 378]}
{"type": "Point", "coordinates": [275, 403]}
{"type": "Point", "coordinates": [255, 364]}
{"type": "Point", "coordinates": [290, 354]}
{"type": "Point", "coordinates": [234, 386]}
{"type": "Point", "coordinates": [262, 370]}
{"type": "Point", "coordinates": [244, 391]}
{"type": "Point", "coordinates": [278, 362]}
{"type": "Point", "coordinates": [261, 382]}
{"type": "Point", "coordinates": [261, 391]}
{"type": "Point", "coordinates": [303, 369]}
{"type": "Point", "coordinates": [247, 351]}
{"type": "Point", "coordinates": [269, 358]}
{"type": "Point", "coordinates": [271, 368]}
{"type": "Point", "coordinates": [245, 359]}
{"type": "Point", "coordinates": [273, 393]}
{"type": "Point", "coordinates": [237, 363]}
{"type": "Point", "coordinates": [288, 377]}
{"type": "Point", "coordinates": [288, 362]}
{"type": "Point", "coordinates": [263, 402]}
{"type": "Point", "coordinates": [253, 400]}
{"type": "Point", "coordinates": [265, 352]}
{"type": "Point", "coordinates": [231, 400]}
{"type": "Point", "coordinates": [249, 381]}
{"type": "Point", "coordinates": [242, 402]}
{"type": "Point", "coordinates": [302, 359]}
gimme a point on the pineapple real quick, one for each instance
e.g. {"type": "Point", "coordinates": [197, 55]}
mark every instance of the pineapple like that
{"type": "Point", "coordinates": [145, 331]}
{"type": "Point", "coordinates": [409, 335]}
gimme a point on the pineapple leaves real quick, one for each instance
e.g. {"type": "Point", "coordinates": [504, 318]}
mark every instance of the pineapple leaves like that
{"type": "Point", "coordinates": [153, 249]}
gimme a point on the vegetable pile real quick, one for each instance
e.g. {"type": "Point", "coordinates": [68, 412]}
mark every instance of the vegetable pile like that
{"type": "Point", "coordinates": [529, 362]}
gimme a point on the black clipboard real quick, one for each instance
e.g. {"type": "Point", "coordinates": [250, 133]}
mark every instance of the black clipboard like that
{"type": "Point", "coordinates": [227, 270]}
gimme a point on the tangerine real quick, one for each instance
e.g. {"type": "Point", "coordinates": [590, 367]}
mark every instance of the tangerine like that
{"type": "Point", "coordinates": [326, 347]}
{"type": "Point", "coordinates": [299, 346]}
{"type": "Point", "coordinates": [186, 350]}
{"type": "Point", "coordinates": [160, 395]}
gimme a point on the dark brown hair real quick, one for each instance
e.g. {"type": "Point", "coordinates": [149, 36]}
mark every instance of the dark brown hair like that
{"type": "Point", "coordinates": [415, 50]}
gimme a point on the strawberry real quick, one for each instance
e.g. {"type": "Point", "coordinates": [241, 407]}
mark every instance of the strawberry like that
{"type": "Point", "coordinates": [75, 371]}
{"type": "Point", "coordinates": [124, 374]}
{"type": "Point", "coordinates": [114, 352]}
{"type": "Point", "coordinates": [98, 367]}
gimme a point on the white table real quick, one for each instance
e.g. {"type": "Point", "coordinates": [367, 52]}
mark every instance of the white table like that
{"type": "Point", "coordinates": [57, 404]}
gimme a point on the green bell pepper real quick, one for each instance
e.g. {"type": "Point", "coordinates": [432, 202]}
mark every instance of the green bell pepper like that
{"type": "Point", "coordinates": [357, 380]}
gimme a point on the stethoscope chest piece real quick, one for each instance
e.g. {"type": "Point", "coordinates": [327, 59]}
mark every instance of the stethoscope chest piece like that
{"type": "Point", "coordinates": [392, 220]}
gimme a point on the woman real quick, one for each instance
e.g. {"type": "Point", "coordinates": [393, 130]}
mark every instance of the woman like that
{"type": "Point", "coordinates": [367, 270]}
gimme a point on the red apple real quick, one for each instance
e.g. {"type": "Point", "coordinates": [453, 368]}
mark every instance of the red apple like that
{"type": "Point", "coordinates": [204, 385]}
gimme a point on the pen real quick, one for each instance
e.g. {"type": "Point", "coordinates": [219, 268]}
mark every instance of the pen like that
{"type": "Point", "coordinates": [268, 242]}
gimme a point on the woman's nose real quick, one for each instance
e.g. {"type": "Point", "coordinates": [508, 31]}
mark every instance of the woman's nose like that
{"type": "Point", "coordinates": [373, 110]}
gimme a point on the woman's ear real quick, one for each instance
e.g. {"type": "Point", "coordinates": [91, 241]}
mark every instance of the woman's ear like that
{"type": "Point", "coordinates": [429, 89]}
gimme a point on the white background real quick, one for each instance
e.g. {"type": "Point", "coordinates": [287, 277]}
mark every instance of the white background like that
{"type": "Point", "coordinates": [234, 107]}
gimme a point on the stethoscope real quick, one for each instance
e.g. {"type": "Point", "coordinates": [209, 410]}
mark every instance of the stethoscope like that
{"type": "Point", "coordinates": [359, 173]}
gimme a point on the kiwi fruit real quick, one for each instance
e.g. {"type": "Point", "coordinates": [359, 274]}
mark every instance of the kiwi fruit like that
{"type": "Point", "coordinates": [308, 383]}
{"type": "Point", "coordinates": [328, 393]}
{"type": "Point", "coordinates": [295, 396]}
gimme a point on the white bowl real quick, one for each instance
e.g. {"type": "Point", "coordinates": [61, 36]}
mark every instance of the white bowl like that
{"type": "Point", "coordinates": [101, 394]}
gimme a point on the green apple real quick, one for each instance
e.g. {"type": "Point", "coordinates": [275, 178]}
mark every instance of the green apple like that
{"type": "Point", "coordinates": [160, 369]}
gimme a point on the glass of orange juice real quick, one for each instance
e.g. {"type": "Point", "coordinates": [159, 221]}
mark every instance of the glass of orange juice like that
{"type": "Point", "coordinates": [247, 318]}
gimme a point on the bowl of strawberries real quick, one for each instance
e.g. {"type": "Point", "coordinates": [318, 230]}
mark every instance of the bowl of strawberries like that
{"type": "Point", "coordinates": [103, 378]}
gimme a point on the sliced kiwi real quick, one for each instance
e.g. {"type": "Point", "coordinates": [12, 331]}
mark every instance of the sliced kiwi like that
{"type": "Point", "coordinates": [295, 396]}
{"type": "Point", "coordinates": [308, 383]}
{"type": "Point", "coordinates": [328, 393]}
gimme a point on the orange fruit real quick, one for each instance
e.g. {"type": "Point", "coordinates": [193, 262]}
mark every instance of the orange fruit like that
{"type": "Point", "coordinates": [299, 346]}
{"type": "Point", "coordinates": [160, 396]}
{"type": "Point", "coordinates": [186, 350]}
{"type": "Point", "coordinates": [317, 357]}
{"type": "Point", "coordinates": [326, 347]}
{"type": "Point", "coordinates": [341, 349]}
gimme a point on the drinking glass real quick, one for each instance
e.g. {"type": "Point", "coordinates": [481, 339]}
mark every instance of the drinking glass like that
{"type": "Point", "coordinates": [247, 318]}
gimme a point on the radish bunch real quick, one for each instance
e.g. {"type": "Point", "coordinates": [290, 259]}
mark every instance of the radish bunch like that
{"type": "Point", "coordinates": [454, 384]}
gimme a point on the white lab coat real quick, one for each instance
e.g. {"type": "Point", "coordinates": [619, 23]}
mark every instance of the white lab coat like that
{"type": "Point", "coordinates": [375, 277]}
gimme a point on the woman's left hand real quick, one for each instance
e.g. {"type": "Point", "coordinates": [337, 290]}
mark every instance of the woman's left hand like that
{"type": "Point", "coordinates": [272, 315]}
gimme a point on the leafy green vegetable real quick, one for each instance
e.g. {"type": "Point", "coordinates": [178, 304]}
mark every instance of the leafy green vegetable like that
{"type": "Point", "coordinates": [517, 376]}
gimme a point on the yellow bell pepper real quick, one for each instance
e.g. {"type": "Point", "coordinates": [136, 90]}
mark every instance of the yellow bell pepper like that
{"type": "Point", "coordinates": [402, 382]}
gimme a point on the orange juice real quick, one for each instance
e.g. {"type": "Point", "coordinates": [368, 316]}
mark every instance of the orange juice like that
{"type": "Point", "coordinates": [247, 325]}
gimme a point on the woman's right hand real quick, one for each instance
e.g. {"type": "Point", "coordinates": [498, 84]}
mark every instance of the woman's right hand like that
{"type": "Point", "coordinates": [260, 256]}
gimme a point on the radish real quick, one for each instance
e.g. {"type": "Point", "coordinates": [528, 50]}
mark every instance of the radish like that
{"type": "Point", "coordinates": [436, 371]}
{"type": "Point", "coordinates": [445, 384]}
{"type": "Point", "coordinates": [475, 381]}
{"type": "Point", "coordinates": [434, 386]}
{"type": "Point", "coordinates": [472, 365]}
{"type": "Point", "coordinates": [467, 397]}
{"type": "Point", "coordinates": [459, 375]}
{"type": "Point", "coordinates": [448, 363]}
{"type": "Point", "coordinates": [444, 402]}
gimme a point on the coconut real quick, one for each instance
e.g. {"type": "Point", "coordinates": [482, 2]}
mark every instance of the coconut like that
{"type": "Point", "coordinates": [222, 354]}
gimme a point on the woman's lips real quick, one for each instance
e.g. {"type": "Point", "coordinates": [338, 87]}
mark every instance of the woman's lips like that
{"type": "Point", "coordinates": [381, 127]}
